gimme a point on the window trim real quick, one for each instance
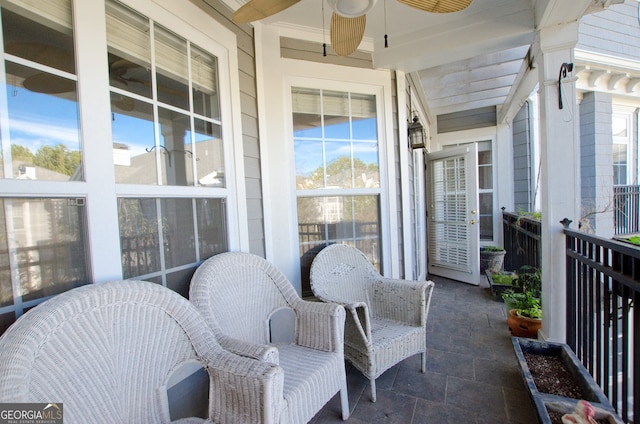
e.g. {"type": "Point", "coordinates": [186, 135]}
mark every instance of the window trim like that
{"type": "Point", "coordinates": [278, 170]}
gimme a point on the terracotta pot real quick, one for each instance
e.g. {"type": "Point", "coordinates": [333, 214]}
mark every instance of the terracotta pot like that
{"type": "Point", "coordinates": [523, 326]}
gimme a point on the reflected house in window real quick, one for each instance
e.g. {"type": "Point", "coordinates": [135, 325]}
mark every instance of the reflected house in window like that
{"type": "Point", "coordinates": [132, 168]}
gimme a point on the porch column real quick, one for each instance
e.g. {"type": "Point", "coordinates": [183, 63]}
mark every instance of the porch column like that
{"type": "Point", "coordinates": [595, 164]}
{"type": "Point", "coordinates": [559, 169]}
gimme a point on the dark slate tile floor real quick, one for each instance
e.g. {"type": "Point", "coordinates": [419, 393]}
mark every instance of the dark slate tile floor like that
{"type": "Point", "coordinates": [472, 375]}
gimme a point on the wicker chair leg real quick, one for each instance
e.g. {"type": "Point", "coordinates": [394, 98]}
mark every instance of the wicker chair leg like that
{"type": "Point", "coordinates": [424, 361]}
{"type": "Point", "coordinates": [344, 402]}
{"type": "Point", "coordinates": [373, 390]}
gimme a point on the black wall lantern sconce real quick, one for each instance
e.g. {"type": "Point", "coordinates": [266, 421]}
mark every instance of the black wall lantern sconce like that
{"type": "Point", "coordinates": [564, 68]}
{"type": "Point", "coordinates": [416, 134]}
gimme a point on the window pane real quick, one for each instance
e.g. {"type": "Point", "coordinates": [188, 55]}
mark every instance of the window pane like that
{"type": "Point", "coordinates": [178, 231]}
{"type": "Point", "coordinates": [209, 154]}
{"type": "Point", "coordinates": [485, 177]}
{"type": "Point", "coordinates": [309, 164]}
{"type": "Point", "coordinates": [134, 154]}
{"type": "Point", "coordinates": [6, 290]}
{"type": "Point", "coordinates": [43, 111]}
{"type": "Point", "coordinates": [147, 224]}
{"type": "Point", "coordinates": [47, 247]}
{"type": "Point", "coordinates": [204, 72]}
{"type": "Point", "coordinates": [175, 146]}
{"type": "Point", "coordinates": [307, 115]}
{"type": "Point", "coordinates": [336, 115]}
{"type": "Point", "coordinates": [619, 164]}
{"type": "Point", "coordinates": [363, 115]}
{"type": "Point", "coordinates": [486, 216]}
{"type": "Point", "coordinates": [129, 50]}
{"type": "Point", "coordinates": [43, 125]}
{"type": "Point", "coordinates": [337, 219]}
{"type": "Point", "coordinates": [339, 167]}
{"type": "Point", "coordinates": [51, 22]}
{"type": "Point", "coordinates": [619, 126]}
{"type": "Point", "coordinates": [139, 239]}
{"type": "Point", "coordinates": [212, 227]}
{"type": "Point", "coordinates": [365, 165]}
{"type": "Point", "coordinates": [171, 68]}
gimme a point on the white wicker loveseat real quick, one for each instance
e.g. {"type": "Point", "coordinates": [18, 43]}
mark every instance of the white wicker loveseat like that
{"type": "Point", "coordinates": [386, 320]}
{"type": "Point", "coordinates": [238, 293]}
{"type": "Point", "coordinates": [107, 352]}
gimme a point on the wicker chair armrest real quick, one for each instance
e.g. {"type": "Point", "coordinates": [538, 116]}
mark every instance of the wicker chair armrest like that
{"type": "Point", "coordinates": [401, 300]}
{"type": "Point", "coordinates": [251, 350]}
{"type": "Point", "coordinates": [320, 325]}
{"type": "Point", "coordinates": [360, 317]}
{"type": "Point", "coordinates": [244, 390]}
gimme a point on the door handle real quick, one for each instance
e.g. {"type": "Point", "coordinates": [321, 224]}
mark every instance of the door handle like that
{"type": "Point", "coordinates": [473, 212]}
{"type": "Point", "coordinates": [472, 222]}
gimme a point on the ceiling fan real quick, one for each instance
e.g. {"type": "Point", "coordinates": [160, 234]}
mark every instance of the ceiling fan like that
{"type": "Point", "coordinates": [348, 18]}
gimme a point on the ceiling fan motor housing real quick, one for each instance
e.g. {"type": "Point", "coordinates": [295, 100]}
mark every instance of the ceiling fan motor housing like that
{"type": "Point", "coordinates": [351, 8]}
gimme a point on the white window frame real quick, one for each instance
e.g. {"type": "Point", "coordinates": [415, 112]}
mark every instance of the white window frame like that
{"type": "Point", "coordinates": [278, 170]}
{"type": "Point", "coordinates": [99, 187]}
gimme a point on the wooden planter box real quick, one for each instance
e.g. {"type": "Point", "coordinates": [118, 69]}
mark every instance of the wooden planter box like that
{"type": "Point", "coordinates": [544, 401]}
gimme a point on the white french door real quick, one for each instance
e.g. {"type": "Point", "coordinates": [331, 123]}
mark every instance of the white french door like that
{"type": "Point", "coordinates": [453, 214]}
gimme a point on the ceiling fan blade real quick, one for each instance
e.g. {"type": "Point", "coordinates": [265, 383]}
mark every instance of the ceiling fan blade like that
{"type": "Point", "coordinates": [346, 33]}
{"type": "Point", "coordinates": [438, 6]}
{"type": "Point", "coordinates": [254, 10]}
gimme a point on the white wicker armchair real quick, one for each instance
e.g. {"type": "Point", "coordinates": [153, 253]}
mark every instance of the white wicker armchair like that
{"type": "Point", "coordinates": [238, 293]}
{"type": "Point", "coordinates": [386, 320]}
{"type": "Point", "coordinates": [108, 351]}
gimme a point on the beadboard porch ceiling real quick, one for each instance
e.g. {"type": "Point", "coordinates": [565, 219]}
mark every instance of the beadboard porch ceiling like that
{"type": "Point", "coordinates": [475, 58]}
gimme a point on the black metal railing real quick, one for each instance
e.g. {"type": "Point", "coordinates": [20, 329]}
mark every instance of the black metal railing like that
{"type": "Point", "coordinates": [522, 238]}
{"type": "Point", "coordinates": [603, 291]}
{"type": "Point", "coordinates": [626, 209]}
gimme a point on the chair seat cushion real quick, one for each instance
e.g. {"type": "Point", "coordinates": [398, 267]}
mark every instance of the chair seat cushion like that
{"type": "Point", "coordinates": [392, 342]}
{"type": "Point", "coordinates": [310, 379]}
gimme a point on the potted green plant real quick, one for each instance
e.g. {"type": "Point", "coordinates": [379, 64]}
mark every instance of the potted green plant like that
{"type": "Point", "coordinates": [491, 259]}
{"type": "Point", "coordinates": [525, 319]}
{"type": "Point", "coordinates": [523, 304]}
{"type": "Point", "coordinates": [529, 279]}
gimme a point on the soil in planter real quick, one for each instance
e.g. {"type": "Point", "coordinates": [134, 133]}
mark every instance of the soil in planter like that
{"type": "Point", "coordinates": [552, 377]}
